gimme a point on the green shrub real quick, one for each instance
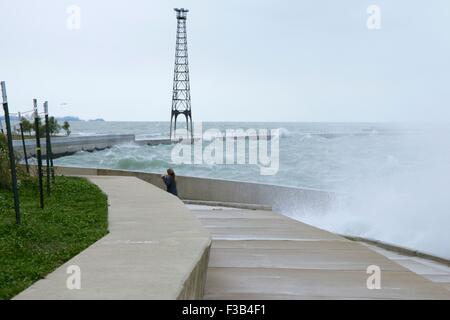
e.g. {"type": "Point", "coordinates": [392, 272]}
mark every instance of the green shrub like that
{"type": "Point", "coordinates": [27, 125]}
{"type": "Point", "coordinates": [5, 176]}
{"type": "Point", "coordinates": [5, 173]}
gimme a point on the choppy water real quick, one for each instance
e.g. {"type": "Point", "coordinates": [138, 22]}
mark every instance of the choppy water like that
{"type": "Point", "coordinates": [398, 176]}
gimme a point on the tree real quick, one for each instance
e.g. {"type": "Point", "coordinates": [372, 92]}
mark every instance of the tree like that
{"type": "Point", "coordinates": [54, 127]}
{"type": "Point", "coordinates": [26, 125]}
{"type": "Point", "coordinates": [66, 127]}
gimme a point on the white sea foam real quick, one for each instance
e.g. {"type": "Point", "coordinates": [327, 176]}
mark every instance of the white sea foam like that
{"type": "Point", "coordinates": [409, 207]}
{"type": "Point", "coordinates": [284, 132]}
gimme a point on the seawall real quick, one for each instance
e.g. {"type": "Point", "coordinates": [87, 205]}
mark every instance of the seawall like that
{"type": "Point", "coordinates": [218, 190]}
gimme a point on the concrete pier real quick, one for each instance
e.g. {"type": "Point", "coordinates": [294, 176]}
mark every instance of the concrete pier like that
{"type": "Point", "coordinates": [63, 146]}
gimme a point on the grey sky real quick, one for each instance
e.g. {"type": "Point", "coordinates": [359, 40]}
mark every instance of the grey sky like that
{"type": "Point", "coordinates": [277, 60]}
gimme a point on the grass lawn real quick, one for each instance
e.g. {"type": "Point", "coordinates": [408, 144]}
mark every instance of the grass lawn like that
{"type": "Point", "coordinates": [75, 216]}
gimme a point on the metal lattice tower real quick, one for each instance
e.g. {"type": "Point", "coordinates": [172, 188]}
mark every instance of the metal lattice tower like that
{"type": "Point", "coordinates": [181, 98]}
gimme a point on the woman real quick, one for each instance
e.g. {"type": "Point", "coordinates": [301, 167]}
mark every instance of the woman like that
{"type": "Point", "coordinates": [170, 182]}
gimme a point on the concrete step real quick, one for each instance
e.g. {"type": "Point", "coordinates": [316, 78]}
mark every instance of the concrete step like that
{"type": "Point", "coordinates": [265, 255]}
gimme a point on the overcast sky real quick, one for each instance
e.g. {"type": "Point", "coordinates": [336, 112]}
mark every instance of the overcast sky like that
{"type": "Point", "coordinates": [265, 60]}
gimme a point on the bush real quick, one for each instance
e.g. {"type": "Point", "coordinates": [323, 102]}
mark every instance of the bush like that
{"type": "Point", "coordinates": [5, 176]}
{"type": "Point", "coordinates": [27, 126]}
{"type": "Point", "coordinates": [5, 173]}
{"type": "Point", "coordinates": [53, 126]}
{"type": "Point", "coordinates": [66, 127]}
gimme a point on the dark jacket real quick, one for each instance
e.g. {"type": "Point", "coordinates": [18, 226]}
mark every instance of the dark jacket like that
{"type": "Point", "coordinates": [171, 185]}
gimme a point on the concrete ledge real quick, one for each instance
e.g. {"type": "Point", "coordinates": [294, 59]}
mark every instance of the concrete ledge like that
{"type": "Point", "coordinates": [248, 206]}
{"type": "Point", "coordinates": [155, 249]}
{"type": "Point", "coordinates": [227, 191]}
{"type": "Point", "coordinates": [398, 249]}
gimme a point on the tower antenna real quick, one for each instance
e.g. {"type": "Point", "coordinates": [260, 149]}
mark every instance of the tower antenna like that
{"type": "Point", "coordinates": [181, 97]}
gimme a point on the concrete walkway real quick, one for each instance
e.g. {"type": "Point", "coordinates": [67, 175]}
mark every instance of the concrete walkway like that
{"type": "Point", "coordinates": [156, 249]}
{"type": "Point", "coordinates": [263, 255]}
